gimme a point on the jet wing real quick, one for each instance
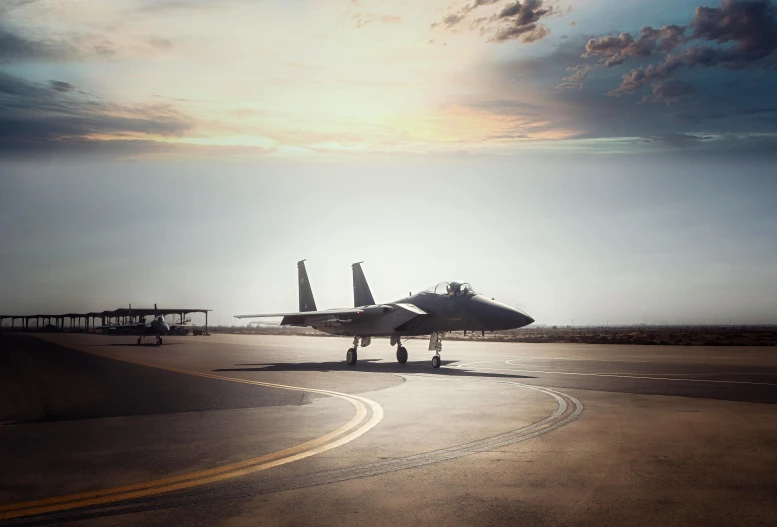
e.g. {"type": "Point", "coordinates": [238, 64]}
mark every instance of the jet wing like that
{"type": "Point", "coordinates": [327, 312]}
{"type": "Point", "coordinates": [381, 317]}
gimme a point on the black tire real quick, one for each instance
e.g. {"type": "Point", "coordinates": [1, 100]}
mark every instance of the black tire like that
{"type": "Point", "coordinates": [436, 361]}
{"type": "Point", "coordinates": [351, 357]}
{"type": "Point", "coordinates": [160, 341]}
{"type": "Point", "coordinates": [138, 341]}
{"type": "Point", "coordinates": [401, 355]}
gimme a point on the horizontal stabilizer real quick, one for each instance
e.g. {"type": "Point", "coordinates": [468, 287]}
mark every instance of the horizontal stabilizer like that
{"type": "Point", "coordinates": [349, 311]}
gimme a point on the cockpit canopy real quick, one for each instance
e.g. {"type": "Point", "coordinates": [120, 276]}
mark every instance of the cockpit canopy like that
{"type": "Point", "coordinates": [451, 289]}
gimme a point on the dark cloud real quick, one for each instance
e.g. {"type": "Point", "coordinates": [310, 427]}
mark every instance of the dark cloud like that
{"type": "Point", "coordinates": [453, 19]}
{"type": "Point", "coordinates": [42, 117]}
{"type": "Point", "coordinates": [517, 20]}
{"type": "Point", "coordinates": [61, 86]}
{"type": "Point", "coordinates": [637, 78]}
{"type": "Point", "coordinates": [521, 20]}
{"type": "Point", "coordinates": [9, 5]}
{"type": "Point", "coordinates": [740, 116]}
{"type": "Point", "coordinates": [744, 33]}
{"type": "Point", "coordinates": [751, 26]}
{"type": "Point", "coordinates": [16, 48]}
{"type": "Point", "coordinates": [671, 92]}
{"type": "Point", "coordinates": [614, 50]}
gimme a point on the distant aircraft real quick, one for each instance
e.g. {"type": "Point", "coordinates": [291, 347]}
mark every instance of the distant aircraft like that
{"type": "Point", "coordinates": [449, 306]}
{"type": "Point", "coordinates": [158, 327]}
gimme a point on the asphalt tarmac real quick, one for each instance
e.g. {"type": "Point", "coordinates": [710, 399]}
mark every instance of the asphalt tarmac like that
{"type": "Point", "coordinates": [268, 430]}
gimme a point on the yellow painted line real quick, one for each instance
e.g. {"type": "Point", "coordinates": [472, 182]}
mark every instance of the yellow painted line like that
{"type": "Point", "coordinates": [203, 477]}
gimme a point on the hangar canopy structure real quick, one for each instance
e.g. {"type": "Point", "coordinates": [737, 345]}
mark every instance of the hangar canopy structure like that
{"type": "Point", "coordinates": [87, 321]}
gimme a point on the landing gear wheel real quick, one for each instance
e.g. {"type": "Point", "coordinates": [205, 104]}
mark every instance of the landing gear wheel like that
{"type": "Point", "coordinates": [159, 341]}
{"type": "Point", "coordinates": [436, 361]}
{"type": "Point", "coordinates": [350, 357]}
{"type": "Point", "coordinates": [401, 355]}
{"type": "Point", "coordinates": [138, 341]}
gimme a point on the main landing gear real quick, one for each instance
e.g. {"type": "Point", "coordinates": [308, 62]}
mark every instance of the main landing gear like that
{"type": "Point", "coordinates": [401, 353]}
{"type": "Point", "coordinates": [352, 355]}
{"type": "Point", "coordinates": [401, 350]}
{"type": "Point", "coordinates": [158, 340]}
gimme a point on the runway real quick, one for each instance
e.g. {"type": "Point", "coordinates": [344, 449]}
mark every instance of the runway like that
{"type": "Point", "coordinates": [232, 429]}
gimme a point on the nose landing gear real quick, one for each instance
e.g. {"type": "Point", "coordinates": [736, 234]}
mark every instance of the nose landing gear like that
{"type": "Point", "coordinates": [435, 343]}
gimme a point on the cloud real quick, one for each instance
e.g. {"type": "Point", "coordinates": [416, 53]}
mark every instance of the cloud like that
{"type": "Point", "coordinates": [521, 21]}
{"type": "Point", "coordinates": [56, 116]}
{"type": "Point", "coordinates": [453, 19]}
{"type": "Point", "coordinates": [751, 26]}
{"type": "Point", "coordinates": [17, 48]}
{"type": "Point", "coordinates": [363, 19]}
{"type": "Point", "coordinates": [671, 92]}
{"type": "Point", "coordinates": [744, 33]}
{"type": "Point", "coordinates": [517, 20]}
{"type": "Point", "coordinates": [677, 139]}
{"type": "Point", "coordinates": [61, 86]}
{"type": "Point", "coordinates": [637, 78]}
{"type": "Point", "coordinates": [614, 50]}
{"type": "Point", "coordinates": [575, 80]}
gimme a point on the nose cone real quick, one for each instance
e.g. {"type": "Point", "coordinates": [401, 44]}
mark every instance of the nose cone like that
{"type": "Point", "coordinates": [496, 315]}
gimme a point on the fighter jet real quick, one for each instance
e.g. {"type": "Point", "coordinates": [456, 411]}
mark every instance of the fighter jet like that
{"type": "Point", "coordinates": [446, 307]}
{"type": "Point", "coordinates": [157, 327]}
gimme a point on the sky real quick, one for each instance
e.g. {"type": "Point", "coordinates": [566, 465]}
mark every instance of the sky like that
{"type": "Point", "coordinates": [595, 161]}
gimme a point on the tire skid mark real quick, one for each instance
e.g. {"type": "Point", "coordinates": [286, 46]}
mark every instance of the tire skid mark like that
{"type": "Point", "coordinates": [567, 410]}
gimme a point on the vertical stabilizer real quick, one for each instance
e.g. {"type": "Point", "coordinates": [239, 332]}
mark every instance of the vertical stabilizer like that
{"type": "Point", "coordinates": [306, 302]}
{"type": "Point", "coordinates": [361, 291]}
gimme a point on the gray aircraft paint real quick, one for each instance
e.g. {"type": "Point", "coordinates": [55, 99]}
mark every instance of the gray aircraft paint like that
{"type": "Point", "coordinates": [306, 302]}
{"type": "Point", "coordinates": [362, 296]}
{"type": "Point", "coordinates": [451, 306]}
